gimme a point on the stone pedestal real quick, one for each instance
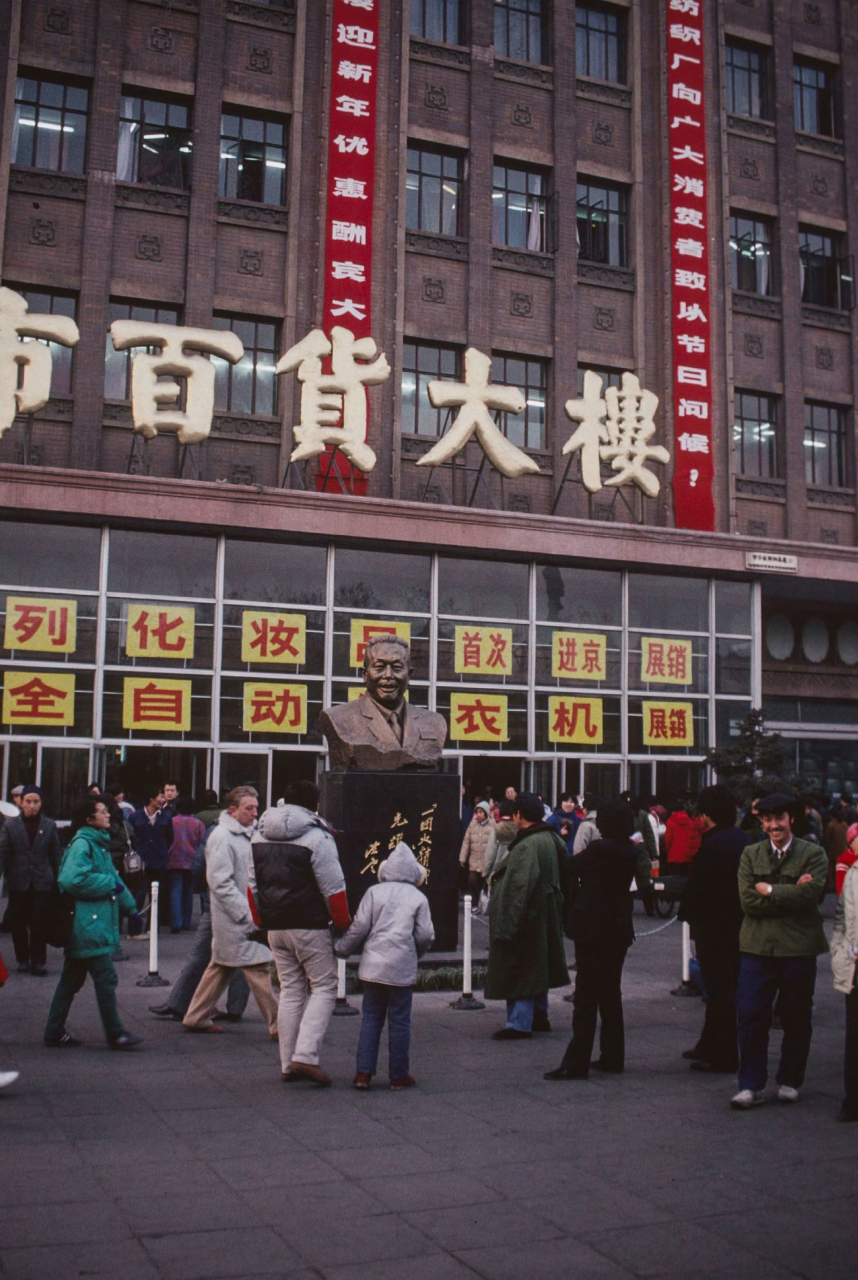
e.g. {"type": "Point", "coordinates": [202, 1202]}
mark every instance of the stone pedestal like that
{"type": "Point", "coordinates": [373, 811]}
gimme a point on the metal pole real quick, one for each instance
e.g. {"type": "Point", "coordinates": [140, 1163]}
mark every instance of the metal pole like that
{"type": "Point", "coordinates": [342, 1008]}
{"type": "Point", "coordinates": [686, 986]}
{"type": "Point", "coordinates": [153, 978]}
{"type": "Point", "coordinates": [466, 1000]}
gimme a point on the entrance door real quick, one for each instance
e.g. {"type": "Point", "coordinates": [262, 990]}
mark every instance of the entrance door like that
{"type": "Point", "coordinates": [292, 766]}
{"type": "Point", "coordinates": [139, 770]}
{"type": "Point", "coordinates": [602, 777]}
{"type": "Point", "coordinates": [245, 768]}
{"type": "Point", "coordinates": [63, 777]}
{"type": "Point", "coordinates": [491, 775]}
{"type": "Point", "coordinates": [641, 778]}
{"type": "Point", "coordinates": [676, 778]}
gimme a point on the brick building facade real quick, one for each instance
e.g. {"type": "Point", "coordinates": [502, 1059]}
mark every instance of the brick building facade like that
{"type": "Point", "coordinates": [168, 161]}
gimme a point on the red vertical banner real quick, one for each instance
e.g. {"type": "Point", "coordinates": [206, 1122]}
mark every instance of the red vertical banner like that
{"type": "Point", "coordinates": [693, 474]}
{"type": "Point", "coordinates": [351, 181]}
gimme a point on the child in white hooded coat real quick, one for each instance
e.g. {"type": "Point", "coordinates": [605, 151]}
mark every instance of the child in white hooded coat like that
{"type": "Point", "coordinates": [394, 925]}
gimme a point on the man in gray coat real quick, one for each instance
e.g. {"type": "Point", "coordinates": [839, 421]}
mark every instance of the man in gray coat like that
{"type": "Point", "coordinates": [228, 877]}
{"type": "Point", "coordinates": [30, 854]}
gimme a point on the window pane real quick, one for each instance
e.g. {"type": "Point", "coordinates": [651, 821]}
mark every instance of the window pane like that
{"type": "Point", "coordinates": [44, 555]}
{"type": "Point", "coordinates": [482, 588]}
{"type": "Point", "coordinates": [161, 563]}
{"type": "Point", "coordinates": [567, 594]}
{"type": "Point", "coordinates": [733, 608]}
{"type": "Point", "coordinates": [679, 604]}
{"type": "Point", "coordinates": [274, 572]}
{"type": "Point", "coordinates": [381, 580]}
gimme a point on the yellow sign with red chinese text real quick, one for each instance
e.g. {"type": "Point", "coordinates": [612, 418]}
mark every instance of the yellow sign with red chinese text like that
{"type": "Point", "coordinates": [579, 655]}
{"type": "Point", "coordinates": [364, 629]}
{"type": "Point", "coordinates": [272, 707]}
{"type": "Point", "coordinates": [483, 651]}
{"type": "Point", "coordinates": [273, 637]}
{"type": "Point", "coordinates": [160, 631]}
{"type": "Point", "coordinates": [479, 717]}
{"type": "Point", "coordinates": [46, 625]}
{"type": "Point", "coordinates": [665, 661]}
{"type": "Point", "coordinates": [668, 724]}
{"type": "Point", "coordinates": [576, 720]}
{"type": "Point", "coordinates": [149, 702]}
{"type": "Point", "coordinates": [38, 697]}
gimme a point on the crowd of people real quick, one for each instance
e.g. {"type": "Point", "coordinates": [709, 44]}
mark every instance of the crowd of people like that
{"type": "Point", "coordinates": [275, 919]}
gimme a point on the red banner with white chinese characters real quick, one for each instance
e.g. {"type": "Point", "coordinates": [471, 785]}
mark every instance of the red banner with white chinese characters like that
{"type": "Point", "coordinates": [351, 181]}
{"type": "Point", "coordinates": [693, 501]}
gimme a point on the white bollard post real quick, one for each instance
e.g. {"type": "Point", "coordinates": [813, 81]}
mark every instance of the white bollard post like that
{"type": "Point", "coordinates": [466, 1000]}
{"type": "Point", "coordinates": [686, 986]}
{"type": "Point", "coordinates": [342, 1008]}
{"type": "Point", "coordinates": [153, 978]}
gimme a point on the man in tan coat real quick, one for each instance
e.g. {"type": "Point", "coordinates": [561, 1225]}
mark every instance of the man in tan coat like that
{"type": "Point", "coordinates": [474, 845]}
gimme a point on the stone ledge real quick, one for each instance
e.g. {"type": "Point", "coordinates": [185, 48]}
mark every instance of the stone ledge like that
{"type": "Point", "coordinates": [437, 245]}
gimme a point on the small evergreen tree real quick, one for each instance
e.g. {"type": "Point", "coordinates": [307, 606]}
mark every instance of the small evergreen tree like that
{"type": "Point", "coordinates": [753, 762]}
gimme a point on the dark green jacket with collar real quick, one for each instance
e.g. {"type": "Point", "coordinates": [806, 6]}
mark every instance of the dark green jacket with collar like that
{"type": "Point", "coordinates": [788, 921]}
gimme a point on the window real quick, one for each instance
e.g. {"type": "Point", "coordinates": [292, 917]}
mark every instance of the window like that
{"type": "Point", "coordinates": [600, 44]}
{"type": "Point", "coordinates": [610, 377]}
{"type": "Point", "coordinates": [519, 208]}
{"type": "Point", "coordinates": [527, 429]}
{"type": "Point", "coordinates": [250, 385]}
{"type": "Point", "coordinates": [49, 127]}
{"type": "Point", "coordinates": [421, 362]}
{"type": "Point", "coordinates": [825, 444]}
{"type": "Point", "coordinates": [746, 71]}
{"type": "Point", "coordinates": [154, 142]}
{"type": "Point", "coordinates": [602, 223]}
{"type": "Point", "coordinates": [433, 191]}
{"type": "Point", "coordinates": [813, 95]}
{"type": "Point", "coordinates": [520, 30]}
{"type": "Point", "coordinates": [252, 159]}
{"type": "Point", "coordinates": [439, 20]}
{"type": "Point", "coordinates": [41, 302]}
{"type": "Point", "coordinates": [826, 273]}
{"type": "Point", "coordinates": [117, 364]}
{"type": "Point", "coordinates": [750, 255]}
{"type": "Point", "coordinates": [755, 436]}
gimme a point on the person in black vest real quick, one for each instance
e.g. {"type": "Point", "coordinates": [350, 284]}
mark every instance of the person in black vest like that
{"type": "Point", "coordinates": [712, 907]}
{"type": "Point", "coordinates": [600, 921]}
{"type": "Point", "coordinates": [300, 889]}
{"type": "Point", "coordinates": [30, 854]}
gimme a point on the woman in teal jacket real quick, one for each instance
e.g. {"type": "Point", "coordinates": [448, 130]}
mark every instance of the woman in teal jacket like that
{"type": "Point", "coordinates": [87, 875]}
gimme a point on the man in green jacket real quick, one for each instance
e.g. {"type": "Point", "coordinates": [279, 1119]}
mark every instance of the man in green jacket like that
{"type": "Point", "coordinates": [526, 949]}
{"type": "Point", "coordinates": [781, 884]}
{"type": "Point", "coordinates": [87, 874]}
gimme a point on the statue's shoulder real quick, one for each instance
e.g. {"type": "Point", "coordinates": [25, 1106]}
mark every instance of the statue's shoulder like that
{"type": "Point", "coordinates": [345, 713]}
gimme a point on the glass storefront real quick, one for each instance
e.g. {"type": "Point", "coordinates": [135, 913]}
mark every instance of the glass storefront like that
{"type": "Point", "coordinates": [130, 654]}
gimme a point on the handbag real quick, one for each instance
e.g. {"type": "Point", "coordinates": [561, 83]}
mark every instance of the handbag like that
{"type": "Point", "coordinates": [131, 862]}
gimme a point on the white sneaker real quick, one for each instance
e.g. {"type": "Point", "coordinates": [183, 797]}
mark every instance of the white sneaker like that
{"type": "Point", "coordinates": [786, 1093]}
{"type": "Point", "coordinates": [7, 1078]}
{"type": "Point", "coordinates": [747, 1098]}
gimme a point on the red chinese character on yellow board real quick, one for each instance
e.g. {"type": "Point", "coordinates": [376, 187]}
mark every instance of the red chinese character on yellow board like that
{"type": "Point", "coordinates": [273, 637]}
{"type": "Point", "coordinates": [363, 629]}
{"type": "Point", "coordinates": [152, 703]}
{"type": "Point", "coordinates": [483, 650]}
{"type": "Point", "coordinates": [43, 624]}
{"type": "Point", "coordinates": [32, 697]}
{"type": "Point", "coordinates": [160, 631]}
{"type": "Point", "coordinates": [478, 717]}
{"type": "Point", "coordinates": [578, 720]}
{"type": "Point", "coordinates": [668, 724]}
{"type": "Point", "coordinates": [665, 661]}
{"type": "Point", "coordinates": [579, 655]}
{"type": "Point", "coordinates": [271, 707]}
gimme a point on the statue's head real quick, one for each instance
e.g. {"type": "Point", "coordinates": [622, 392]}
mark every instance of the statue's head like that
{"type": "Point", "coordinates": [386, 668]}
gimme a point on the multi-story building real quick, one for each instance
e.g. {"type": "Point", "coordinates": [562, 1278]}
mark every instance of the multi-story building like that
{"type": "Point", "coordinates": [170, 162]}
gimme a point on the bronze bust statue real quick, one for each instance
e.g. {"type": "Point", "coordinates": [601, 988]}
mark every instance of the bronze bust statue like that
{"type": "Point", "coordinates": [380, 730]}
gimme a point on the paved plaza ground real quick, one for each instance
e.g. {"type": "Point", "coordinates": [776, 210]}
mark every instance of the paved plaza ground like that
{"type": "Point", "coordinates": [189, 1159]}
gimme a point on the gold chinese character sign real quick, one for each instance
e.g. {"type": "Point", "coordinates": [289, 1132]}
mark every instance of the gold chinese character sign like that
{"type": "Point", "coordinates": [38, 698]}
{"type": "Point", "coordinates": [25, 366]}
{"type": "Point", "coordinates": [40, 624]}
{"type": "Point", "coordinates": [616, 428]}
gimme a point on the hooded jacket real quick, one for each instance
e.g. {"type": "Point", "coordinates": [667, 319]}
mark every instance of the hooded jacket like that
{"type": "Point", "coordinates": [296, 877]}
{"type": "Point", "coordinates": [844, 941]}
{"type": "Point", "coordinates": [393, 923]}
{"type": "Point", "coordinates": [473, 852]}
{"type": "Point", "coordinates": [88, 875]}
{"type": "Point", "coordinates": [228, 864]}
{"type": "Point", "coordinates": [682, 836]}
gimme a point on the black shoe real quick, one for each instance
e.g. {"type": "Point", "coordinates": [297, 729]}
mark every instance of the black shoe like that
{"type": "Point", "coordinates": [126, 1041]}
{"type": "Point", "coordinates": [166, 1011]}
{"type": "Point", "coordinates": [23, 968]}
{"type": "Point", "coordinates": [541, 1023]}
{"type": "Point", "coordinates": [694, 1055]}
{"type": "Point", "coordinates": [175, 931]}
{"type": "Point", "coordinates": [39, 971]}
{"type": "Point", "coordinates": [509, 1033]}
{"type": "Point", "coordinates": [565, 1073]}
{"type": "Point", "coordinates": [226, 1017]}
{"type": "Point", "coordinates": [848, 1114]}
{"type": "Point", "coordinates": [713, 1068]}
{"type": "Point", "coordinates": [65, 1041]}
{"type": "Point", "coordinates": [599, 1065]}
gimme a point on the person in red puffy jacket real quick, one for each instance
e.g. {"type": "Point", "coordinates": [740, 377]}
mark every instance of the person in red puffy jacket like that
{"type": "Point", "coordinates": [682, 837]}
